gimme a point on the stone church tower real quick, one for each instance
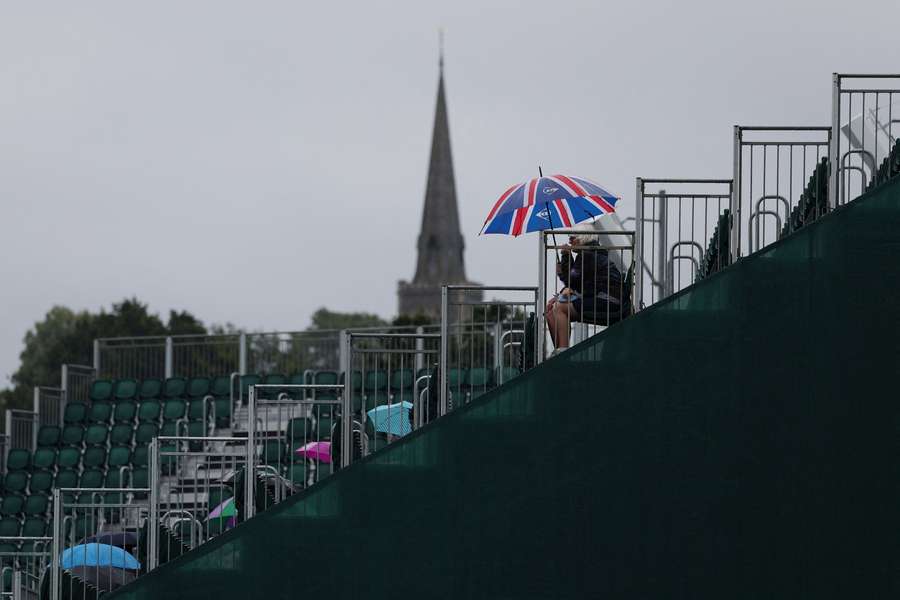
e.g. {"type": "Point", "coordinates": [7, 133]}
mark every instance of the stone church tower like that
{"type": "Point", "coordinates": [440, 244]}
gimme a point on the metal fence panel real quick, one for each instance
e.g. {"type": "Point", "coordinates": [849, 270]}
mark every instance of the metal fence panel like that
{"type": "Point", "coordinates": [135, 357]}
{"type": "Point", "coordinates": [21, 429]}
{"type": "Point", "coordinates": [676, 218]}
{"type": "Point", "coordinates": [76, 383]}
{"type": "Point", "coordinates": [49, 404]}
{"type": "Point", "coordinates": [23, 561]}
{"type": "Point", "coordinates": [94, 527]}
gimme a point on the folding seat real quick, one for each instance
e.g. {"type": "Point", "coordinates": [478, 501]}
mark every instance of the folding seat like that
{"type": "Point", "coordinates": [376, 388]}
{"type": "Point", "coordinates": [273, 452]}
{"type": "Point", "coordinates": [116, 478]}
{"type": "Point", "coordinates": [34, 527]}
{"type": "Point", "coordinates": [100, 412]}
{"type": "Point", "coordinates": [69, 458]}
{"type": "Point", "coordinates": [377, 440]}
{"type": "Point", "coordinates": [296, 473]}
{"type": "Point", "coordinates": [44, 459]}
{"type": "Point", "coordinates": [149, 411]}
{"type": "Point", "coordinates": [12, 504]}
{"type": "Point", "coordinates": [9, 527]}
{"type": "Point", "coordinates": [478, 381]}
{"type": "Point", "coordinates": [125, 411]}
{"type": "Point", "coordinates": [322, 422]}
{"type": "Point", "coordinates": [15, 482]}
{"type": "Point", "coordinates": [150, 389]}
{"type": "Point", "coordinates": [299, 379]}
{"type": "Point", "coordinates": [139, 456]}
{"type": "Point", "coordinates": [91, 478]}
{"type": "Point", "coordinates": [221, 385]}
{"type": "Point", "coordinates": [174, 409]}
{"type": "Point", "coordinates": [173, 428]}
{"type": "Point", "coordinates": [125, 389]}
{"type": "Point", "coordinates": [200, 408]}
{"type": "Point", "coordinates": [66, 478]}
{"type": "Point", "coordinates": [18, 459]}
{"type": "Point", "coordinates": [197, 429]}
{"type": "Point", "coordinates": [326, 378]}
{"type": "Point", "coordinates": [401, 385]}
{"type": "Point", "coordinates": [198, 387]}
{"type": "Point", "coordinates": [298, 432]}
{"type": "Point", "coordinates": [273, 379]}
{"type": "Point", "coordinates": [223, 411]}
{"type": "Point", "coordinates": [72, 435]}
{"type": "Point", "coordinates": [140, 478]}
{"type": "Point", "coordinates": [48, 435]}
{"type": "Point", "coordinates": [94, 457]}
{"type": "Point", "coordinates": [121, 435]}
{"type": "Point", "coordinates": [75, 413]}
{"type": "Point", "coordinates": [41, 482]}
{"type": "Point", "coordinates": [168, 464]}
{"type": "Point", "coordinates": [101, 390]}
{"type": "Point", "coordinates": [175, 387]}
{"type": "Point", "coordinates": [145, 432]}
{"type": "Point", "coordinates": [119, 456]}
{"type": "Point", "coordinates": [96, 435]}
{"type": "Point", "coordinates": [36, 505]}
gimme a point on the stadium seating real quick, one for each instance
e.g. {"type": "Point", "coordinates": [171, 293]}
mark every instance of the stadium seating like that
{"type": "Point", "coordinates": [718, 251]}
{"type": "Point", "coordinates": [888, 169]}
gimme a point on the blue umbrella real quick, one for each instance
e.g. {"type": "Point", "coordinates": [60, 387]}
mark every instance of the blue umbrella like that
{"type": "Point", "coordinates": [391, 418]}
{"type": "Point", "coordinates": [98, 555]}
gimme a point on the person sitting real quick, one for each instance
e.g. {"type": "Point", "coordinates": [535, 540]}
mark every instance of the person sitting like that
{"type": "Point", "coordinates": [593, 291]}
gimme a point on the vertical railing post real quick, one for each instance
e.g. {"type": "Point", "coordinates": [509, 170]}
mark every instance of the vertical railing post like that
{"type": "Point", "coordinates": [169, 352]}
{"type": "Point", "coordinates": [540, 340]}
{"type": "Point", "coordinates": [662, 251]}
{"type": "Point", "coordinates": [834, 148]}
{"type": "Point", "coordinates": [64, 394]}
{"type": "Point", "coordinates": [97, 357]}
{"type": "Point", "coordinates": [347, 401]}
{"type": "Point", "coordinates": [9, 438]}
{"type": "Point", "coordinates": [242, 354]}
{"type": "Point", "coordinates": [17, 585]}
{"type": "Point", "coordinates": [442, 367]}
{"type": "Point", "coordinates": [638, 254]}
{"type": "Point", "coordinates": [250, 469]}
{"type": "Point", "coordinates": [56, 544]}
{"type": "Point", "coordinates": [737, 165]}
{"type": "Point", "coordinates": [419, 363]}
{"type": "Point", "coordinates": [35, 418]}
{"type": "Point", "coordinates": [153, 516]}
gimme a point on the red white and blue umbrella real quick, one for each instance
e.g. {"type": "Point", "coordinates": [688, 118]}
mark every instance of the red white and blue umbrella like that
{"type": "Point", "coordinates": [549, 202]}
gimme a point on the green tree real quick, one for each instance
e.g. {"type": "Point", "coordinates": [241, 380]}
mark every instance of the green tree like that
{"type": "Point", "coordinates": [326, 319]}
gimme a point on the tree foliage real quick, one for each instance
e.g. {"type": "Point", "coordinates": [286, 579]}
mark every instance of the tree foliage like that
{"type": "Point", "coordinates": [327, 319]}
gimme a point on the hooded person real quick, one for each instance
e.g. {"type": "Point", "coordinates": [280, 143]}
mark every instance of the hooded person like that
{"type": "Point", "coordinates": [594, 290]}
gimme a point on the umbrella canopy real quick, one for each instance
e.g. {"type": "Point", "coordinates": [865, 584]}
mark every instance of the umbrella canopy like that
{"type": "Point", "coordinates": [98, 555]}
{"type": "Point", "coordinates": [391, 418]}
{"type": "Point", "coordinates": [120, 539]}
{"type": "Point", "coordinates": [320, 451]}
{"type": "Point", "coordinates": [225, 509]}
{"type": "Point", "coordinates": [104, 579]}
{"type": "Point", "coordinates": [551, 202]}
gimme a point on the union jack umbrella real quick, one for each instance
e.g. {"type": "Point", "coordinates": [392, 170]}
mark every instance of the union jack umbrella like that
{"type": "Point", "coordinates": [548, 202]}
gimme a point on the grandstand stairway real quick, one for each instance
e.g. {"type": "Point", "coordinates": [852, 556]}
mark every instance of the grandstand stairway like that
{"type": "Point", "coordinates": [737, 440]}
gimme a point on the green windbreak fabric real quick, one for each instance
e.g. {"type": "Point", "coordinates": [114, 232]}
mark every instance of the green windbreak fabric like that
{"type": "Point", "coordinates": [739, 440]}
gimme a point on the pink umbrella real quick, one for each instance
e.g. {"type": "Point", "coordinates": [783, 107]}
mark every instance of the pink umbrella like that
{"type": "Point", "coordinates": [320, 451]}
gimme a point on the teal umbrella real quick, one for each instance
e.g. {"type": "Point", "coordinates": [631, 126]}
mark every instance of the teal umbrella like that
{"type": "Point", "coordinates": [391, 418]}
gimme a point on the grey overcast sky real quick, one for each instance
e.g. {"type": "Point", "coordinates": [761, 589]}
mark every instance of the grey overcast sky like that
{"type": "Point", "coordinates": [252, 161]}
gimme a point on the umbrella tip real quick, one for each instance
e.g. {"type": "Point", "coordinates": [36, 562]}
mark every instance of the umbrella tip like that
{"type": "Point", "coordinates": [540, 171]}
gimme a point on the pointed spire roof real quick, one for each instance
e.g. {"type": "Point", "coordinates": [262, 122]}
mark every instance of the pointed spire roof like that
{"type": "Point", "coordinates": [440, 242]}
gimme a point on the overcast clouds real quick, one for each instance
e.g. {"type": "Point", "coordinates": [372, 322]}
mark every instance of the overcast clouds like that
{"type": "Point", "coordinates": [252, 161]}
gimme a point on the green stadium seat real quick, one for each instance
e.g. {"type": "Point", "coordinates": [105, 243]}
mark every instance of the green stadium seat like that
{"type": "Point", "coordinates": [119, 456]}
{"type": "Point", "coordinates": [171, 429]}
{"type": "Point", "coordinates": [296, 473]}
{"type": "Point", "coordinates": [323, 420]}
{"type": "Point", "coordinates": [198, 387]}
{"type": "Point", "coordinates": [223, 411]}
{"type": "Point", "coordinates": [168, 464]}
{"type": "Point", "coordinates": [116, 478]}
{"type": "Point", "coordinates": [18, 459]}
{"type": "Point", "coordinates": [175, 387]}
{"type": "Point", "coordinates": [92, 478]}
{"type": "Point", "coordinates": [36, 505]}
{"type": "Point", "coordinates": [48, 435]}
{"type": "Point", "coordinates": [41, 482]}
{"type": "Point", "coordinates": [121, 435]}
{"type": "Point", "coordinates": [273, 452]}
{"type": "Point", "coordinates": [197, 429]}
{"type": "Point", "coordinates": [75, 413]}
{"type": "Point", "coordinates": [174, 409]}
{"type": "Point", "coordinates": [299, 431]}
{"type": "Point", "coordinates": [44, 459]}
{"type": "Point", "coordinates": [94, 457]}
{"type": "Point", "coordinates": [221, 386]}
{"type": "Point", "coordinates": [140, 456]}
{"type": "Point", "coordinates": [196, 409]}
{"type": "Point", "coordinates": [12, 504]}
{"type": "Point", "coordinates": [96, 435]}
{"type": "Point", "coordinates": [125, 389]}
{"type": "Point", "coordinates": [273, 379]}
{"type": "Point", "coordinates": [100, 412]}
{"type": "Point", "coordinates": [247, 381]}
{"type": "Point", "coordinates": [72, 435]}
{"type": "Point", "coordinates": [84, 525]}
{"type": "Point", "coordinates": [66, 478]}
{"type": "Point", "coordinates": [34, 527]}
{"type": "Point", "coordinates": [150, 389]}
{"type": "Point", "coordinates": [125, 411]}
{"type": "Point", "coordinates": [401, 385]}
{"type": "Point", "coordinates": [356, 380]}
{"type": "Point", "coordinates": [113, 514]}
{"type": "Point", "coordinates": [149, 411]}
{"type": "Point", "coordinates": [300, 379]}
{"type": "Point", "coordinates": [326, 378]}
{"type": "Point", "coordinates": [101, 390]}
{"type": "Point", "coordinates": [10, 527]}
{"type": "Point", "coordinates": [140, 478]}
{"type": "Point", "coordinates": [69, 458]}
{"type": "Point", "coordinates": [145, 432]}
{"type": "Point", "coordinates": [478, 381]}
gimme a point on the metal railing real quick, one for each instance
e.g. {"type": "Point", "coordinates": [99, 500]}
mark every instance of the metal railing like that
{"type": "Point", "coordinates": [675, 220]}
{"type": "Point", "coordinates": [865, 122]}
{"type": "Point", "coordinates": [483, 343]}
{"type": "Point", "coordinates": [23, 561]}
{"type": "Point", "coordinates": [294, 431]}
{"type": "Point", "coordinates": [387, 391]}
{"type": "Point", "coordinates": [94, 525]}
{"type": "Point", "coordinates": [194, 482]}
{"type": "Point", "coordinates": [586, 282]}
{"type": "Point", "coordinates": [21, 429]}
{"type": "Point", "coordinates": [772, 169]}
{"type": "Point", "coordinates": [49, 405]}
{"type": "Point", "coordinates": [75, 381]}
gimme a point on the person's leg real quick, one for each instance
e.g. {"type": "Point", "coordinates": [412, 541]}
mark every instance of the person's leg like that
{"type": "Point", "coordinates": [551, 320]}
{"type": "Point", "coordinates": [562, 314]}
